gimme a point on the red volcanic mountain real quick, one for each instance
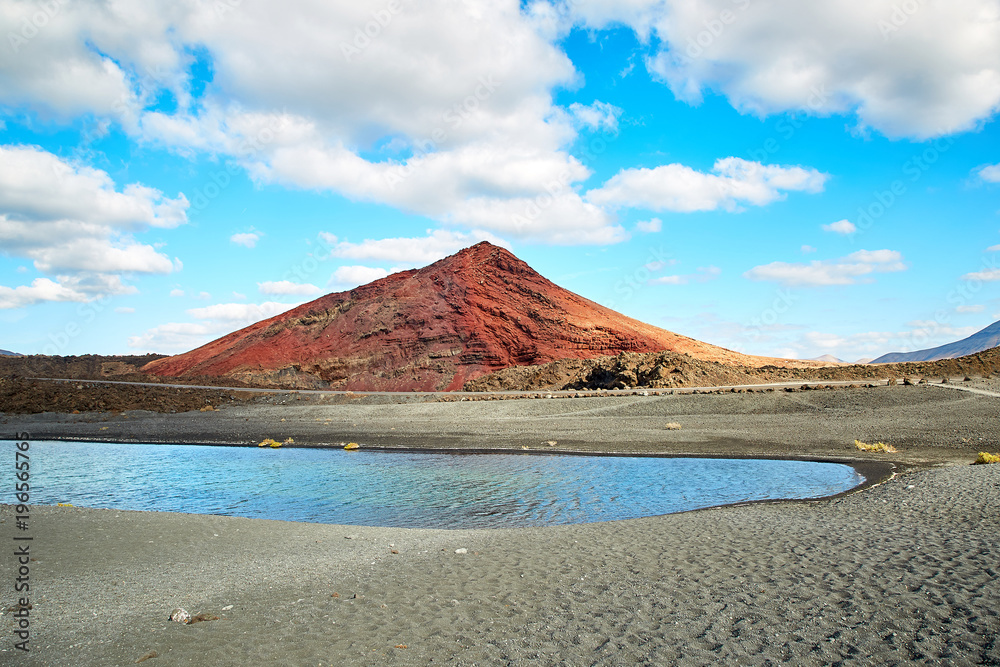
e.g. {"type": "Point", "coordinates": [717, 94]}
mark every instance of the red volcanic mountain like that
{"type": "Point", "coordinates": [475, 312]}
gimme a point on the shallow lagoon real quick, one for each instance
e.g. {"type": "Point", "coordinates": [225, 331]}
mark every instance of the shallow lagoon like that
{"type": "Point", "coordinates": [409, 489]}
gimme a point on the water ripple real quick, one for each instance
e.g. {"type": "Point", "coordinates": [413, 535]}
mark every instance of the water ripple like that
{"type": "Point", "coordinates": [409, 489]}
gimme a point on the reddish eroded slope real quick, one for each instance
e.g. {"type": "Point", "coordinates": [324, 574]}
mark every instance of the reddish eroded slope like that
{"type": "Point", "coordinates": [434, 328]}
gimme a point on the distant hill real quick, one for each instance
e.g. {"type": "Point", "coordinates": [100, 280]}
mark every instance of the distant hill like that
{"type": "Point", "coordinates": [7, 353]}
{"type": "Point", "coordinates": [828, 358]}
{"type": "Point", "coordinates": [977, 342]}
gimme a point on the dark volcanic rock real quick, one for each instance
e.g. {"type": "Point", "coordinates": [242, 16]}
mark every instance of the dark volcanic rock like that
{"type": "Point", "coordinates": [434, 328]}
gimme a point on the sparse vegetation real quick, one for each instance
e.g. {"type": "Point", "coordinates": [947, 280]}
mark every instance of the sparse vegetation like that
{"type": "Point", "coordinates": [875, 447]}
{"type": "Point", "coordinates": [274, 444]}
{"type": "Point", "coordinates": [986, 457]}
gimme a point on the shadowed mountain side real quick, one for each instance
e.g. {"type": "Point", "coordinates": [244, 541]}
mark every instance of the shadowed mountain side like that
{"type": "Point", "coordinates": [977, 342]}
{"type": "Point", "coordinates": [434, 328]}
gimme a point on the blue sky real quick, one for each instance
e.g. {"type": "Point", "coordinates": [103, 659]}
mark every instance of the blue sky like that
{"type": "Point", "coordinates": [776, 177]}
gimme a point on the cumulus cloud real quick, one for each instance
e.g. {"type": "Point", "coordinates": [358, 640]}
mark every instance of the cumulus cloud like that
{"type": "Point", "coordinates": [987, 275]}
{"type": "Point", "coordinates": [990, 174]}
{"type": "Point", "coordinates": [597, 116]}
{"type": "Point", "coordinates": [408, 251]}
{"type": "Point", "coordinates": [74, 223]}
{"type": "Point", "coordinates": [807, 249]}
{"type": "Point", "coordinates": [921, 73]}
{"type": "Point", "coordinates": [173, 337]}
{"type": "Point", "coordinates": [461, 128]}
{"type": "Point", "coordinates": [733, 182]}
{"type": "Point", "coordinates": [993, 248]}
{"type": "Point", "coordinates": [245, 239]}
{"type": "Point", "coordinates": [849, 270]}
{"type": "Point", "coordinates": [352, 276]}
{"type": "Point", "coordinates": [841, 227]}
{"type": "Point", "coordinates": [240, 313]}
{"type": "Point", "coordinates": [286, 287]}
{"type": "Point", "coordinates": [213, 322]}
{"type": "Point", "coordinates": [970, 309]}
{"type": "Point", "coordinates": [41, 289]}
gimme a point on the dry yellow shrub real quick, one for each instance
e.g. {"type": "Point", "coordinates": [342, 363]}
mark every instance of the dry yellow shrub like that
{"type": "Point", "coordinates": [877, 447]}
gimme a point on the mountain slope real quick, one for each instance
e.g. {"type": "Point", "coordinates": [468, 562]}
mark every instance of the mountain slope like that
{"type": "Point", "coordinates": [977, 342]}
{"type": "Point", "coordinates": [434, 328]}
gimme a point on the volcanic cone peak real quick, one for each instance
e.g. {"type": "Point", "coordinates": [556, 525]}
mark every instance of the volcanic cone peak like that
{"type": "Point", "coordinates": [477, 311]}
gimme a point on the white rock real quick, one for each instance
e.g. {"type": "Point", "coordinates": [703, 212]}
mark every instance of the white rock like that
{"type": "Point", "coordinates": [179, 615]}
{"type": "Point", "coordinates": [461, 551]}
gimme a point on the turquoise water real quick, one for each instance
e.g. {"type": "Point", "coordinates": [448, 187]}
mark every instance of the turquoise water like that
{"type": "Point", "coordinates": [407, 489]}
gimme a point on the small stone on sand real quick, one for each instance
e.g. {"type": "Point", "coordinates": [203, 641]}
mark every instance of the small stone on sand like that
{"type": "Point", "coordinates": [179, 615]}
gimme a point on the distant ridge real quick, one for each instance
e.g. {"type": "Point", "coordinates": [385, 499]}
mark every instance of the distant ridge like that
{"type": "Point", "coordinates": [7, 353]}
{"type": "Point", "coordinates": [978, 342]}
{"type": "Point", "coordinates": [829, 358]}
{"type": "Point", "coordinates": [433, 329]}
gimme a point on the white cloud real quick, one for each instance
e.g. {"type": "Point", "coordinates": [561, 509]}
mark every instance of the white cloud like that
{"type": "Point", "coordinates": [849, 346]}
{"type": "Point", "coordinates": [41, 289]}
{"type": "Point", "coordinates": [286, 287]}
{"type": "Point", "coordinates": [993, 248]}
{"type": "Point", "coordinates": [242, 313]}
{"type": "Point", "coordinates": [988, 275]}
{"type": "Point", "coordinates": [352, 276]}
{"type": "Point", "coordinates": [245, 239]}
{"type": "Point", "coordinates": [125, 310]}
{"type": "Point", "coordinates": [461, 126]}
{"type": "Point", "coordinates": [703, 274]}
{"type": "Point", "coordinates": [990, 174]}
{"type": "Point", "coordinates": [75, 225]}
{"type": "Point", "coordinates": [807, 249]}
{"type": "Point", "coordinates": [970, 309]}
{"type": "Point", "coordinates": [649, 226]}
{"type": "Point", "coordinates": [408, 251]}
{"type": "Point", "coordinates": [176, 293]}
{"type": "Point", "coordinates": [173, 337]}
{"type": "Point", "coordinates": [921, 73]}
{"type": "Point", "coordinates": [214, 321]}
{"type": "Point", "coordinates": [734, 182]}
{"type": "Point", "coordinates": [848, 270]}
{"type": "Point", "coordinates": [841, 227]}
{"type": "Point", "coordinates": [597, 116]}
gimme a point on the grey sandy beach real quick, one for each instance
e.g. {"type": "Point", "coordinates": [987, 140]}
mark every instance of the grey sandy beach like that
{"type": "Point", "coordinates": [902, 572]}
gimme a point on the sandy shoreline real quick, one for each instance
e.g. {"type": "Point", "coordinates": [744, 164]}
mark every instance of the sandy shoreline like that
{"type": "Point", "coordinates": [929, 424]}
{"type": "Point", "coordinates": [904, 572]}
